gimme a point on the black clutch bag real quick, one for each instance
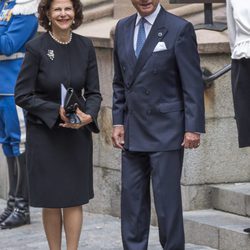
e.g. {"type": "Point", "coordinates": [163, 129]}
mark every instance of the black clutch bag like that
{"type": "Point", "coordinates": [71, 103]}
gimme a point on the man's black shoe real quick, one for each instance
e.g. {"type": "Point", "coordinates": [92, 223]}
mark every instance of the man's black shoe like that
{"type": "Point", "coordinates": [19, 217]}
{"type": "Point", "coordinates": [247, 230]}
{"type": "Point", "coordinates": [8, 210]}
{"type": "Point", "coordinates": [16, 219]}
{"type": "Point", "coordinates": [5, 214]}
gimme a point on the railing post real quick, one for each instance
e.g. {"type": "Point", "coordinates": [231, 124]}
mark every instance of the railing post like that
{"type": "Point", "coordinates": [208, 13]}
{"type": "Point", "coordinates": [208, 24]}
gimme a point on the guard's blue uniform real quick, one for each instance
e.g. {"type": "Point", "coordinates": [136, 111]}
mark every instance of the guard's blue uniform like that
{"type": "Point", "coordinates": [16, 28]}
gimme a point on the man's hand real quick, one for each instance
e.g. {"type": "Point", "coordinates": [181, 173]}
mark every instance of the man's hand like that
{"type": "Point", "coordinates": [118, 136]}
{"type": "Point", "coordinates": [191, 140]}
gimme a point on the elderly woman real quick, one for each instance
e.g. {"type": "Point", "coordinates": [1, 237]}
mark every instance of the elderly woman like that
{"type": "Point", "coordinates": [59, 153]}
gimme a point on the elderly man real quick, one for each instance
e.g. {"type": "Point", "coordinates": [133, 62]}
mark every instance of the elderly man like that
{"type": "Point", "coordinates": [158, 110]}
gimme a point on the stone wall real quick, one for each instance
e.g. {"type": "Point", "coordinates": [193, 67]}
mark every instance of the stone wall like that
{"type": "Point", "coordinates": [218, 160]}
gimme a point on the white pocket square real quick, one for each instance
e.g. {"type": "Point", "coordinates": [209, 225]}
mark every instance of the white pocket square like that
{"type": "Point", "coordinates": [160, 46]}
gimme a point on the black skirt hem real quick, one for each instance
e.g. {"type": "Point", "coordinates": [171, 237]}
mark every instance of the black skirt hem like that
{"type": "Point", "coordinates": [40, 205]}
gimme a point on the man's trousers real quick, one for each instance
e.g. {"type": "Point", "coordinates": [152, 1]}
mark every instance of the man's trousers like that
{"type": "Point", "coordinates": [12, 127]}
{"type": "Point", "coordinates": [164, 168]}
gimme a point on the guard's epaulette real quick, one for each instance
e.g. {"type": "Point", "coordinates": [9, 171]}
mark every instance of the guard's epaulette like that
{"type": "Point", "coordinates": [25, 7]}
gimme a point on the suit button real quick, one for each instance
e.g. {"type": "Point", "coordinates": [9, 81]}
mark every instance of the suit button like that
{"type": "Point", "coordinates": [155, 71]}
{"type": "Point", "coordinates": [147, 92]}
{"type": "Point", "coordinates": [148, 111]}
{"type": "Point", "coordinates": [124, 68]}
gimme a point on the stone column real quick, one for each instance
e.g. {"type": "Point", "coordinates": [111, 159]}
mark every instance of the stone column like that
{"type": "Point", "coordinates": [124, 7]}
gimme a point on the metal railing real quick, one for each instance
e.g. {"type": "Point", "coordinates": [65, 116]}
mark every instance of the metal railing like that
{"type": "Point", "coordinates": [209, 77]}
{"type": "Point", "coordinates": [208, 24]}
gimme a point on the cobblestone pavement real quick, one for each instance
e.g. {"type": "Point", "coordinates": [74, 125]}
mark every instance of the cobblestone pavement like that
{"type": "Point", "coordinates": [99, 232]}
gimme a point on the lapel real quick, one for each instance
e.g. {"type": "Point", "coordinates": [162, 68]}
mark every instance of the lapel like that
{"type": "Point", "coordinates": [129, 35]}
{"type": "Point", "coordinates": [157, 33]}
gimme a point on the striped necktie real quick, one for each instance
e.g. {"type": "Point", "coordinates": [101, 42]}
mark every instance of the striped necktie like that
{"type": "Point", "coordinates": [141, 37]}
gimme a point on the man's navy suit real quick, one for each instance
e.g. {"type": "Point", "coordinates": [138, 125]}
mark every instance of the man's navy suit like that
{"type": "Point", "coordinates": [157, 97]}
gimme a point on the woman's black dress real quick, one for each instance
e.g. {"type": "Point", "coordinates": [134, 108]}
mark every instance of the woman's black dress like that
{"type": "Point", "coordinates": [59, 160]}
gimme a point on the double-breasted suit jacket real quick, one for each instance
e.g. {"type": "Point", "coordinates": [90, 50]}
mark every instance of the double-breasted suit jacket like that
{"type": "Point", "coordinates": [159, 95]}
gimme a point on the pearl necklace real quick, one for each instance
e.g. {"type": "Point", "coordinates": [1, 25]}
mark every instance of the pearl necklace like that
{"type": "Point", "coordinates": [57, 40]}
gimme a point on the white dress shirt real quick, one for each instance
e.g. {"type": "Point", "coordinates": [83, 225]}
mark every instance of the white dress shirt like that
{"type": "Point", "coordinates": [238, 19]}
{"type": "Point", "coordinates": [148, 24]}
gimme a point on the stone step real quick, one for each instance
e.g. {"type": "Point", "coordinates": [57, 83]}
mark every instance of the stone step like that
{"type": "Point", "coordinates": [90, 3]}
{"type": "Point", "coordinates": [188, 246]}
{"type": "Point", "coordinates": [97, 11]}
{"type": "Point", "coordinates": [197, 247]}
{"type": "Point", "coordinates": [233, 198]}
{"type": "Point", "coordinates": [216, 229]}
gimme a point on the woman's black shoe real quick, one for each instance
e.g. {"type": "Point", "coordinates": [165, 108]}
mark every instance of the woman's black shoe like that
{"type": "Point", "coordinates": [247, 230]}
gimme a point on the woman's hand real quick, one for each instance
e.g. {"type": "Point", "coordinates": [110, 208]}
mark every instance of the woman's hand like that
{"type": "Point", "coordinates": [84, 118]}
{"type": "Point", "coordinates": [62, 114]}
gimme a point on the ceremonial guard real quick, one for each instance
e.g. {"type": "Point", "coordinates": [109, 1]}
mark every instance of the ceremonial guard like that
{"type": "Point", "coordinates": [18, 24]}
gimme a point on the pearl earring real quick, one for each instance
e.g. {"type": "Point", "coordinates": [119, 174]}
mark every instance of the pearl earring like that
{"type": "Point", "coordinates": [49, 23]}
{"type": "Point", "coordinates": [73, 22]}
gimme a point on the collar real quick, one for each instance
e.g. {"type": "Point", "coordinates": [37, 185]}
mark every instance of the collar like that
{"type": "Point", "coordinates": [23, 1]}
{"type": "Point", "coordinates": [150, 18]}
